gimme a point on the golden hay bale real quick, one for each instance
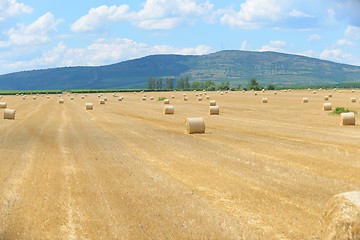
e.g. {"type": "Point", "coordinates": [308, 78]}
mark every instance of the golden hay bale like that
{"type": "Point", "coordinates": [309, 89]}
{"type": "Point", "coordinates": [184, 94]}
{"type": "Point", "coordinates": [212, 103]}
{"type": "Point", "coordinates": [341, 218]}
{"type": "Point", "coordinates": [151, 98]}
{"type": "Point", "coordinates": [353, 100]}
{"type": "Point", "coordinates": [144, 98]}
{"type": "Point", "coordinates": [255, 93]}
{"type": "Point", "coordinates": [3, 104]}
{"type": "Point", "coordinates": [9, 114]}
{"type": "Point", "coordinates": [199, 99]}
{"type": "Point", "coordinates": [196, 94]}
{"type": "Point", "coordinates": [326, 98]}
{"type": "Point", "coordinates": [172, 96]}
{"type": "Point", "coordinates": [264, 100]}
{"type": "Point", "coordinates": [48, 97]}
{"type": "Point", "coordinates": [275, 93]}
{"type": "Point", "coordinates": [330, 95]}
{"type": "Point", "coordinates": [89, 106]}
{"type": "Point", "coordinates": [105, 99]}
{"type": "Point", "coordinates": [82, 97]}
{"type": "Point", "coordinates": [185, 98]}
{"type": "Point", "coordinates": [71, 98]}
{"type": "Point", "coordinates": [263, 90]}
{"type": "Point", "coordinates": [102, 101]}
{"type": "Point", "coordinates": [207, 97]}
{"type": "Point", "coordinates": [285, 90]}
{"type": "Point", "coordinates": [24, 97]}
{"type": "Point", "coordinates": [195, 125]}
{"type": "Point", "coordinates": [327, 106]}
{"type": "Point", "coordinates": [120, 98]}
{"type": "Point", "coordinates": [221, 93]}
{"type": "Point", "coordinates": [99, 96]}
{"type": "Point", "coordinates": [168, 110]}
{"type": "Point", "coordinates": [352, 90]}
{"type": "Point", "coordinates": [34, 98]}
{"type": "Point", "coordinates": [347, 118]}
{"type": "Point", "coordinates": [314, 92]}
{"type": "Point", "coordinates": [61, 101]}
{"type": "Point", "coordinates": [214, 110]}
{"type": "Point", "coordinates": [166, 101]}
{"type": "Point", "coordinates": [305, 100]}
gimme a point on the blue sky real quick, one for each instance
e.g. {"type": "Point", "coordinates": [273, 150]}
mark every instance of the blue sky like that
{"type": "Point", "coordinates": [42, 34]}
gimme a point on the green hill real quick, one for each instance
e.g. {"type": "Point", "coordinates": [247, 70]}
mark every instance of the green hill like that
{"type": "Point", "coordinates": [237, 67]}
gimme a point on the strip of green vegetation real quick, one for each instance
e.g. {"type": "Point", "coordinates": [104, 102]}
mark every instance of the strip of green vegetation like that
{"type": "Point", "coordinates": [161, 98]}
{"type": "Point", "coordinates": [339, 110]}
{"type": "Point", "coordinates": [14, 92]}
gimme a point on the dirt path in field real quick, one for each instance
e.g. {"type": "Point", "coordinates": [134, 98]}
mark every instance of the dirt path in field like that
{"type": "Point", "coordinates": [126, 171]}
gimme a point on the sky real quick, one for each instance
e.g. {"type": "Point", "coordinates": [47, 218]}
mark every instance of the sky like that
{"type": "Point", "coordinates": [38, 34]}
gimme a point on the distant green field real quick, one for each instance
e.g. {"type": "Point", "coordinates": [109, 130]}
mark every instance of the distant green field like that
{"type": "Point", "coordinates": [14, 92]}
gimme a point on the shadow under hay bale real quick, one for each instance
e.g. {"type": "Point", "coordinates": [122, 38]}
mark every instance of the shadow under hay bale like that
{"type": "Point", "coordinates": [195, 125]}
{"type": "Point", "coordinates": [341, 218]}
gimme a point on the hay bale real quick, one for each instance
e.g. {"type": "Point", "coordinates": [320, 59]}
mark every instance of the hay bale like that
{"type": "Point", "coordinates": [24, 97]}
{"type": "Point", "coordinates": [105, 99]}
{"type": "Point", "coordinates": [89, 106]}
{"type": "Point", "coordinates": [221, 93]}
{"type": "Point", "coordinates": [151, 98]}
{"type": "Point", "coordinates": [199, 99]}
{"type": "Point", "coordinates": [275, 93]}
{"type": "Point", "coordinates": [168, 110]}
{"type": "Point", "coordinates": [71, 98]}
{"type": "Point", "coordinates": [9, 114]}
{"type": "Point", "coordinates": [185, 98]}
{"type": "Point", "coordinates": [144, 98]}
{"type": "Point", "coordinates": [61, 101]}
{"type": "Point", "coordinates": [214, 110]}
{"type": "Point", "coordinates": [166, 101]}
{"type": "Point", "coordinates": [212, 103]}
{"type": "Point", "coordinates": [207, 97]}
{"type": "Point", "coordinates": [102, 101]}
{"type": "Point", "coordinates": [352, 90]}
{"type": "Point", "coordinates": [341, 218]}
{"type": "Point", "coordinates": [326, 98]}
{"type": "Point", "coordinates": [347, 118]}
{"type": "Point", "coordinates": [82, 97]}
{"type": "Point", "coordinates": [353, 100]}
{"type": "Point", "coordinates": [3, 105]}
{"type": "Point", "coordinates": [314, 92]}
{"type": "Point", "coordinates": [255, 93]}
{"type": "Point", "coordinates": [330, 95]}
{"type": "Point", "coordinates": [327, 106]}
{"type": "Point", "coordinates": [195, 125]}
{"type": "Point", "coordinates": [305, 100]}
{"type": "Point", "coordinates": [120, 98]}
{"type": "Point", "coordinates": [264, 100]}
{"type": "Point", "coordinates": [34, 98]}
{"type": "Point", "coordinates": [309, 89]}
{"type": "Point", "coordinates": [172, 96]}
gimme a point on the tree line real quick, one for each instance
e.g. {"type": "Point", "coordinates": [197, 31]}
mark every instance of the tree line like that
{"type": "Point", "coordinates": [169, 83]}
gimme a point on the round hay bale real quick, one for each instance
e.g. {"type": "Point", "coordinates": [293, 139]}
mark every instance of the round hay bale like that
{"type": "Point", "coordinates": [275, 93]}
{"type": "Point", "coordinates": [314, 92]}
{"type": "Point", "coordinates": [184, 94]}
{"type": "Point", "coordinates": [105, 99]}
{"type": "Point", "coordinates": [89, 106]}
{"type": "Point", "coordinates": [255, 93]}
{"type": "Point", "coordinates": [285, 90]}
{"type": "Point", "coordinates": [151, 98]}
{"type": "Point", "coordinates": [264, 100]}
{"type": "Point", "coordinates": [341, 218]}
{"type": "Point", "coordinates": [9, 114]}
{"type": "Point", "coordinates": [34, 98]}
{"type": "Point", "coordinates": [3, 104]}
{"type": "Point", "coordinates": [102, 101]}
{"type": "Point", "coordinates": [166, 101]}
{"type": "Point", "coordinates": [61, 101]}
{"type": "Point", "coordinates": [326, 98]}
{"type": "Point", "coordinates": [24, 97]}
{"type": "Point", "coordinates": [82, 97]}
{"type": "Point", "coordinates": [221, 93]}
{"type": "Point", "coordinates": [48, 97]}
{"type": "Point", "coordinates": [309, 89]}
{"type": "Point", "coordinates": [172, 96]}
{"type": "Point", "coordinates": [144, 98]}
{"type": "Point", "coordinates": [353, 100]}
{"type": "Point", "coordinates": [199, 99]}
{"type": "Point", "coordinates": [352, 90]}
{"type": "Point", "coordinates": [168, 110]}
{"type": "Point", "coordinates": [327, 106]}
{"type": "Point", "coordinates": [305, 100]}
{"type": "Point", "coordinates": [195, 125]}
{"type": "Point", "coordinates": [185, 98]}
{"type": "Point", "coordinates": [334, 89]}
{"type": "Point", "coordinates": [330, 95]}
{"type": "Point", "coordinates": [214, 110]}
{"type": "Point", "coordinates": [212, 103]}
{"type": "Point", "coordinates": [71, 98]}
{"type": "Point", "coordinates": [347, 119]}
{"type": "Point", "coordinates": [207, 97]}
{"type": "Point", "coordinates": [120, 98]}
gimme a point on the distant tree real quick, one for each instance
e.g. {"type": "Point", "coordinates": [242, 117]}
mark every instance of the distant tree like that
{"type": "Point", "coordinates": [180, 83]}
{"type": "Point", "coordinates": [158, 83]}
{"type": "Point", "coordinates": [186, 82]}
{"type": "Point", "coordinates": [209, 85]}
{"type": "Point", "coordinates": [197, 85]}
{"type": "Point", "coordinates": [151, 83]}
{"type": "Point", "coordinates": [224, 86]}
{"type": "Point", "coordinates": [169, 83]}
{"type": "Point", "coordinates": [271, 87]}
{"type": "Point", "coordinates": [254, 85]}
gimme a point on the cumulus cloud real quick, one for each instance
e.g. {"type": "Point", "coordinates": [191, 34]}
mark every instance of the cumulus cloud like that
{"type": "Point", "coordinates": [353, 32]}
{"type": "Point", "coordinates": [275, 46]}
{"type": "Point", "coordinates": [344, 42]}
{"type": "Point", "coordinates": [314, 38]}
{"type": "Point", "coordinates": [34, 33]}
{"type": "Point", "coordinates": [100, 52]}
{"type": "Point", "coordinates": [336, 55]}
{"type": "Point", "coordinates": [155, 14]}
{"type": "Point", "coordinates": [11, 8]}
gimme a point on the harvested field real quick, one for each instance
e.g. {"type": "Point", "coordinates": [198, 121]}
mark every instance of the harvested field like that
{"type": "Point", "coordinates": [127, 171]}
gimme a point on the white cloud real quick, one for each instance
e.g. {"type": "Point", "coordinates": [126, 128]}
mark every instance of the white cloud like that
{"type": "Point", "coordinates": [297, 14]}
{"type": "Point", "coordinates": [11, 8]}
{"type": "Point", "coordinates": [314, 38]}
{"type": "Point", "coordinates": [100, 16]}
{"type": "Point", "coordinates": [275, 46]}
{"type": "Point", "coordinates": [254, 13]}
{"type": "Point", "coordinates": [344, 42]}
{"type": "Point", "coordinates": [353, 31]}
{"type": "Point", "coordinates": [336, 55]}
{"type": "Point", "coordinates": [35, 33]}
{"type": "Point", "coordinates": [155, 14]}
{"type": "Point", "coordinates": [100, 52]}
{"type": "Point", "coordinates": [244, 45]}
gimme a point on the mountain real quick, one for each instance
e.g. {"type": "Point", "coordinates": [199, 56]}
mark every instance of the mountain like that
{"type": "Point", "coordinates": [237, 67]}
